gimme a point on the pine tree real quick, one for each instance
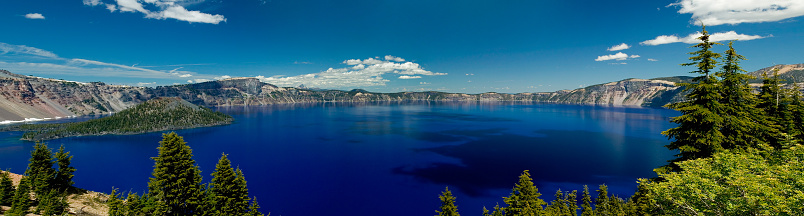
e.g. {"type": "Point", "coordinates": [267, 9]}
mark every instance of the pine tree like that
{"type": "Point", "coordinates": [22, 198]}
{"type": "Point", "coordinates": [602, 205]}
{"type": "Point", "coordinates": [52, 203]}
{"type": "Point", "coordinates": [40, 169]}
{"type": "Point", "coordinates": [557, 207]}
{"type": "Point", "coordinates": [133, 205]}
{"type": "Point", "coordinates": [448, 207]}
{"type": "Point", "coordinates": [772, 100]}
{"type": "Point", "coordinates": [254, 208]}
{"type": "Point", "coordinates": [587, 203]}
{"type": "Point", "coordinates": [6, 189]}
{"type": "Point", "coordinates": [228, 190]}
{"type": "Point", "coordinates": [115, 204]}
{"type": "Point", "coordinates": [64, 176]}
{"type": "Point", "coordinates": [741, 118]}
{"type": "Point", "coordinates": [571, 202]}
{"type": "Point", "coordinates": [524, 199]}
{"type": "Point", "coordinates": [176, 183]}
{"type": "Point", "coordinates": [698, 133]}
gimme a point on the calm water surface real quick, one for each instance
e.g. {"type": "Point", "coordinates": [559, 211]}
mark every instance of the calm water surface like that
{"type": "Point", "coordinates": [390, 158]}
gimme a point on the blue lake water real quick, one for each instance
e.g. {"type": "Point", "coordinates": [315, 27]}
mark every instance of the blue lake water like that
{"type": "Point", "coordinates": [390, 158]}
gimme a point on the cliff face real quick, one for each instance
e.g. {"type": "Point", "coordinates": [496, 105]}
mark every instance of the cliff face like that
{"type": "Point", "coordinates": [31, 97]}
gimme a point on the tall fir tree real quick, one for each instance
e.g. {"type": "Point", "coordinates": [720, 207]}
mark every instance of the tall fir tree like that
{"type": "Point", "coordinates": [176, 185]}
{"type": "Point", "coordinates": [571, 201]}
{"type": "Point", "coordinates": [448, 207]}
{"type": "Point", "coordinates": [254, 208]}
{"type": "Point", "coordinates": [22, 198]}
{"type": "Point", "coordinates": [64, 176]}
{"type": "Point", "coordinates": [228, 190]}
{"type": "Point", "coordinates": [602, 204]}
{"type": "Point", "coordinates": [772, 100]}
{"type": "Point", "coordinates": [40, 169]}
{"type": "Point", "coordinates": [134, 205]}
{"type": "Point", "coordinates": [524, 199]}
{"type": "Point", "coordinates": [53, 202]}
{"type": "Point", "coordinates": [742, 125]}
{"type": "Point", "coordinates": [6, 189]}
{"type": "Point", "coordinates": [586, 205]}
{"type": "Point", "coordinates": [698, 133]}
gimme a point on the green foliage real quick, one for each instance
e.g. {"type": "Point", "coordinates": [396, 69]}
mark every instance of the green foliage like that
{"type": "Point", "coordinates": [733, 183]}
{"type": "Point", "coordinates": [524, 199]}
{"type": "Point", "coordinates": [448, 207]}
{"type": "Point", "coordinates": [563, 204]}
{"type": "Point", "coordinates": [22, 199]}
{"type": "Point", "coordinates": [602, 205]}
{"type": "Point", "coordinates": [155, 115]}
{"type": "Point", "coordinates": [6, 189]}
{"type": "Point", "coordinates": [740, 126]}
{"type": "Point", "coordinates": [228, 193]}
{"type": "Point", "coordinates": [64, 175]}
{"type": "Point", "coordinates": [52, 203]}
{"type": "Point", "coordinates": [586, 206]}
{"type": "Point", "coordinates": [254, 208]}
{"type": "Point", "coordinates": [134, 205]}
{"type": "Point", "coordinates": [116, 207]}
{"type": "Point", "coordinates": [176, 183]}
{"type": "Point", "coordinates": [40, 169]}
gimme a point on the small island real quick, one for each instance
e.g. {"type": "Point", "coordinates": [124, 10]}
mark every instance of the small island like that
{"type": "Point", "coordinates": [159, 114]}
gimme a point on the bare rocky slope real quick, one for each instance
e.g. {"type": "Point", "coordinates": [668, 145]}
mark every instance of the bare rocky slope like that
{"type": "Point", "coordinates": [32, 97]}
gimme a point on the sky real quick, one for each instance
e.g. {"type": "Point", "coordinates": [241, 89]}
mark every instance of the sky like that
{"type": "Point", "coordinates": [466, 46]}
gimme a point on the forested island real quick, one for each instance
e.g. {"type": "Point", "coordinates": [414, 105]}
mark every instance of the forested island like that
{"type": "Point", "coordinates": [158, 114]}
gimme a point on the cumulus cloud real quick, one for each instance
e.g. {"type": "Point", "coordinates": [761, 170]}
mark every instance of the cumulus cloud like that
{"type": "Point", "coordinates": [693, 38]}
{"type": "Point", "coordinates": [718, 12]}
{"type": "Point", "coordinates": [619, 47]}
{"type": "Point", "coordinates": [360, 73]}
{"type": "Point", "coordinates": [161, 9]}
{"type": "Point", "coordinates": [34, 16]}
{"type": "Point", "coordinates": [619, 57]}
{"type": "Point", "coordinates": [393, 58]}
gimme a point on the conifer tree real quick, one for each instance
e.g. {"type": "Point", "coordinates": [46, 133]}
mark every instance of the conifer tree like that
{"type": "Point", "coordinates": [571, 200]}
{"type": "Point", "coordinates": [602, 205]}
{"type": "Point", "coordinates": [772, 100]}
{"type": "Point", "coordinates": [742, 122]}
{"type": "Point", "coordinates": [52, 203]}
{"type": "Point", "coordinates": [698, 133]}
{"type": "Point", "coordinates": [6, 189]}
{"type": "Point", "coordinates": [448, 207]}
{"type": "Point", "coordinates": [40, 169]}
{"type": "Point", "coordinates": [524, 199]}
{"type": "Point", "coordinates": [228, 190]}
{"type": "Point", "coordinates": [64, 176]}
{"type": "Point", "coordinates": [22, 198]}
{"type": "Point", "coordinates": [133, 205]}
{"type": "Point", "coordinates": [176, 183]}
{"type": "Point", "coordinates": [115, 205]}
{"type": "Point", "coordinates": [586, 207]}
{"type": "Point", "coordinates": [557, 207]}
{"type": "Point", "coordinates": [254, 208]}
{"type": "Point", "coordinates": [497, 211]}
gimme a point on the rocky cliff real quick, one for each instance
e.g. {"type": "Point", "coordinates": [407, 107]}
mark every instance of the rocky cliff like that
{"type": "Point", "coordinates": [32, 97]}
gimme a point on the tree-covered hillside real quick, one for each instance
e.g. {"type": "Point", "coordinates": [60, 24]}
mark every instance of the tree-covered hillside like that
{"type": "Point", "coordinates": [154, 115]}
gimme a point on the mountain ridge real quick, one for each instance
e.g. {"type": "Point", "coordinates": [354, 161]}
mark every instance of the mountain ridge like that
{"type": "Point", "coordinates": [33, 98]}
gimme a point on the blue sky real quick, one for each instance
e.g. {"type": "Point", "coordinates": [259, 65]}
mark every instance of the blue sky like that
{"type": "Point", "coordinates": [387, 46]}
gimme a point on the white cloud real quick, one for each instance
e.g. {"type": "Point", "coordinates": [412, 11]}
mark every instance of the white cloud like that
{"type": "Point", "coordinates": [185, 75]}
{"type": "Point", "coordinates": [393, 58]}
{"type": "Point", "coordinates": [650, 59]}
{"type": "Point", "coordinates": [424, 83]}
{"type": "Point", "coordinates": [223, 77]}
{"type": "Point", "coordinates": [619, 47]}
{"type": "Point", "coordinates": [618, 63]}
{"type": "Point", "coordinates": [718, 12]}
{"type": "Point", "coordinates": [161, 9]}
{"type": "Point", "coordinates": [22, 49]}
{"type": "Point", "coordinates": [693, 38]}
{"type": "Point", "coordinates": [92, 2]}
{"type": "Point", "coordinates": [361, 73]}
{"type": "Point", "coordinates": [619, 57]}
{"type": "Point", "coordinates": [34, 16]}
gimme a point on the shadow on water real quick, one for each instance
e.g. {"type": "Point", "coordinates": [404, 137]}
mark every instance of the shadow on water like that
{"type": "Point", "coordinates": [493, 159]}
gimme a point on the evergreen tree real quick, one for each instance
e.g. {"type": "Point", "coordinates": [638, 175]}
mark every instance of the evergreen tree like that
{"type": "Point", "coordinates": [571, 202]}
{"type": "Point", "coordinates": [40, 169]}
{"type": "Point", "coordinates": [254, 208]}
{"type": "Point", "coordinates": [22, 198]}
{"type": "Point", "coordinates": [64, 176]}
{"type": "Point", "coordinates": [741, 118]}
{"type": "Point", "coordinates": [772, 100]}
{"type": "Point", "coordinates": [6, 189]}
{"type": "Point", "coordinates": [698, 133]}
{"type": "Point", "coordinates": [602, 205]}
{"type": "Point", "coordinates": [176, 183]}
{"type": "Point", "coordinates": [524, 199]}
{"type": "Point", "coordinates": [497, 211]}
{"type": "Point", "coordinates": [52, 203]}
{"type": "Point", "coordinates": [133, 205]}
{"type": "Point", "coordinates": [557, 207]}
{"type": "Point", "coordinates": [586, 207]}
{"type": "Point", "coordinates": [448, 207]}
{"type": "Point", "coordinates": [228, 190]}
{"type": "Point", "coordinates": [115, 205]}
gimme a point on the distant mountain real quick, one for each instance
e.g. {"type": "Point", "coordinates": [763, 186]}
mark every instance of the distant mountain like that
{"type": "Point", "coordinates": [24, 97]}
{"type": "Point", "coordinates": [789, 73]}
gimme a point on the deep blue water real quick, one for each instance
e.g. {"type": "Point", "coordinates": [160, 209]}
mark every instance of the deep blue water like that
{"type": "Point", "coordinates": [390, 158]}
